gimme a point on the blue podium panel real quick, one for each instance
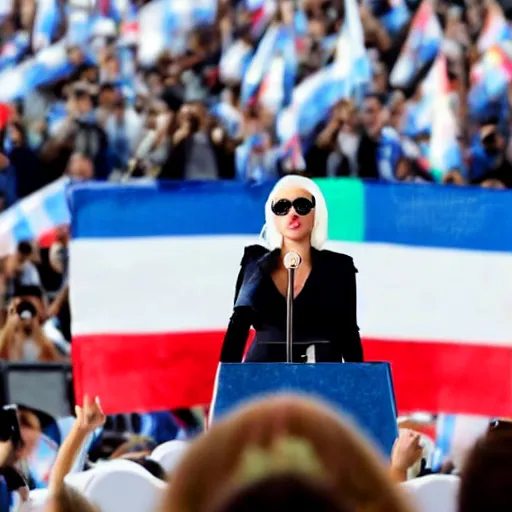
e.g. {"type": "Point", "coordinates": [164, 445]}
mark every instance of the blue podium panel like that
{"type": "Point", "coordinates": [362, 391]}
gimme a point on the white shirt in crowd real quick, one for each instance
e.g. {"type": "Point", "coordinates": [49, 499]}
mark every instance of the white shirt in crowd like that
{"type": "Point", "coordinates": [29, 275]}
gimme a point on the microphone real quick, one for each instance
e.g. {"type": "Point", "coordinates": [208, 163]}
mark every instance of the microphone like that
{"type": "Point", "coordinates": [292, 260]}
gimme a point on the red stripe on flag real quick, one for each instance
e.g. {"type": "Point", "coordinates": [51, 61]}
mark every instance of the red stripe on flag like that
{"type": "Point", "coordinates": [149, 372]}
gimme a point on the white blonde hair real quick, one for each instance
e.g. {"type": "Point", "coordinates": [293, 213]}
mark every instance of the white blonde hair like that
{"type": "Point", "coordinates": [271, 237]}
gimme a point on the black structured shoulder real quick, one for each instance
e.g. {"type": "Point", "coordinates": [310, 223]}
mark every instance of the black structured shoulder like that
{"type": "Point", "coordinates": [253, 253]}
{"type": "Point", "coordinates": [336, 260]}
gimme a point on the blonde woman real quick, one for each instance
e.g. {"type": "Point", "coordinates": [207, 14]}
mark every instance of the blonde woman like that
{"type": "Point", "coordinates": [325, 326]}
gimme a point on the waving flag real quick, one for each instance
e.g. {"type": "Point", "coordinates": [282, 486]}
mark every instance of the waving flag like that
{"type": "Point", "coordinates": [272, 94]}
{"type": "Point", "coordinates": [129, 31]}
{"type": "Point", "coordinates": [420, 47]}
{"type": "Point", "coordinates": [229, 117]}
{"type": "Point", "coordinates": [419, 114]}
{"type": "Point", "coordinates": [165, 24]}
{"type": "Point", "coordinates": [255, 161]}
{"type": "Point", "coordinates": [351, 55]}
{"type": "Point", "coordinates": [493, 73]}
{"type": "Point", "coordinates": [313, 99]}
{"type": "Point", "coordinates": [261, 12]}
{"type": "Point", "coordinates": [259, 64]}
{"type": "Point", "coordinates": [47, 66]}
{"type": "Point", "coordinates": [445, 152]}
{"type": "Point", "coordinates": [315, 96]}
{"type": "Point", "coordinates": [271, 73]}
{"type": "Point", "coordinates": [46, 23]}
{"type": "Point", "coordinates": [291, 146]}
{"type": "Point", "coordinates": [496, 29]}
{"type": "Point", "coordinates": [80, 21]}
{"type": "Point", "coordinates": [13, 49]}
{"type": "Point", "coordinates": [152, 286]}
{"type": "Point", "coordinates": [234, 61]}
{"type": "Point", "coordinates": [34, 216]}
{"type": "Point", "coordinates": [392, 14]}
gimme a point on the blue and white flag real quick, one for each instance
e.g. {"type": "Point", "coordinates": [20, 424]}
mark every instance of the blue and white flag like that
{"type": "Point", "coordinates": [235, 61]}
{"type": "Point", "coordinates": [165, 24]}
{"type": "Point", "coordinates": [272, 71]}
{"type": "Point", "coordinates": [314, 98]}
{"type": "Point", "coordinates": [46, 23]}
{"type": "Point", "coordinates": [13, 50]}
{"type": "Point", "coordinates": [48, 65]}
{"type": "Point", "coordinates": [34, 216]}
{"type": "Point", "coordinates": [229, 118]}
{"type": "Point", "coordinates": [351, 55]}
{"type": "Point", "coordinates": [80, 22]}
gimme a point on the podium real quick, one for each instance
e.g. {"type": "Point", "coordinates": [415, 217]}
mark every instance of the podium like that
{"type": "Point", "coordinates": [363, 392]}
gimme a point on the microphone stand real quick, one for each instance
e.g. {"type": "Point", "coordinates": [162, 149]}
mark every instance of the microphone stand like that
{"type": "Point", "coordinates": [289, 314]}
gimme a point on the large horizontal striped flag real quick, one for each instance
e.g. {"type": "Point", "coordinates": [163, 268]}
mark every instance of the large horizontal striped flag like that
{"type": "Point", "coordinates": [153, 270]}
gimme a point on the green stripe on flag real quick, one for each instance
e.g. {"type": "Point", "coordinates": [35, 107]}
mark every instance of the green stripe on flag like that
{"type": "Point", "coordinates": [345, 201]}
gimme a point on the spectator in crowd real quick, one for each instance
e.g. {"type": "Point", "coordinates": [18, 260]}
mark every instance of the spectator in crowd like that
{"type": "Point", "coordinates": [22, 338]}
{"type": "Point", "coordinates": [81, 167]}
{"type": "Point", "coordinates": [20, 269]}
{"type": "Point", "coordinates": [380, 153]}
{"type": "Point", "coordinates": [489, 164]}
{"type": "Point", "coordinates": [288, 436]}
{"type": "Point", "coordinates": [59, 261]}
{"type": "Point", "coordinates": [287, 492]}
{"type": "Point", "coordinates": [486, 476]}
{"type": "Point", "coordinates": [198, 150]}
{"type": "Point", "coordinates": [24, 161]}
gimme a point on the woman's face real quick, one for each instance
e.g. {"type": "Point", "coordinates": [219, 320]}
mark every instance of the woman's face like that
{"type": "Point", "coordinates": [292, 226]}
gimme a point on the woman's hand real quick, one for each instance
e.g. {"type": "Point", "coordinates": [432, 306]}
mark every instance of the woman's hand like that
{"type": "Point", "coordinates": [406, 451]}
{"type": "Point", "coordinates": [90, 416]}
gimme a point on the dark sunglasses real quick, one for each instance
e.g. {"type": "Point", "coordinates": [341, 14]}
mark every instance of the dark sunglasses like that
{"type": "Point", "coordinates": [302, 205]}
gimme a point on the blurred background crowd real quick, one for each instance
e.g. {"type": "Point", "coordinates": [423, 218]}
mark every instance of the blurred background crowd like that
{"type": "Point", "coordinates": [247, 90]}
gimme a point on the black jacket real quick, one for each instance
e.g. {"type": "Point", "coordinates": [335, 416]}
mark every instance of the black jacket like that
{"type": "Point", "coordinates": [324, 311]}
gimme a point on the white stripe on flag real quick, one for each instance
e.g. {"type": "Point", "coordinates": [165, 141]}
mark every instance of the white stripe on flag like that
{"type": "Point", "coordinates": [404, 293]}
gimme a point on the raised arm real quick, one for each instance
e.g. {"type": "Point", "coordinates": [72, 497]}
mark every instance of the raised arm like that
{"type": "Point", "coordinates": [88, 419]}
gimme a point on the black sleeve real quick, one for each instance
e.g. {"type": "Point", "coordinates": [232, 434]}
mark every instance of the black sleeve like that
{"type": "Point", "coordinates": [241, 319]}
{"type": "Point", "coordinates": [12, 478]}
{"type": "Point", "coordinates": [352, 347]}
{"type": "Point", "coordinates": [236, 336]}
{"type": "Point", "coordinates": [239, 281]}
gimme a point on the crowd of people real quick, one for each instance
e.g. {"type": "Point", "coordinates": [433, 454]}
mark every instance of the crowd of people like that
{"type": "Point", "coordinates": [192, 111]}
{"type": "Point", "coordinates": [276, 453]}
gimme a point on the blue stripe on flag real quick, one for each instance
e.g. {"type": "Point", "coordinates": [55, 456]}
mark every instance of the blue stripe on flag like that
{"type": "Point", "coordinates": [451, 217]}
{"type": "Point", "coordinates": [169, 209]}
{"type": "Point", "coordinates": [22, 230]}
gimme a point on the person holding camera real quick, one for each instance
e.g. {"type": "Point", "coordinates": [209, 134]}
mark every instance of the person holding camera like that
{"type": "Point", "coordinates": [22, 338]}
{"type": "Point", "coordinates": [10, 442]}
